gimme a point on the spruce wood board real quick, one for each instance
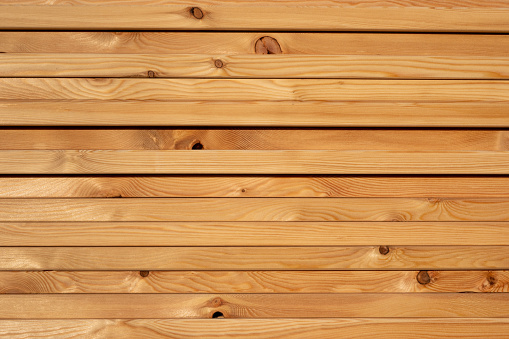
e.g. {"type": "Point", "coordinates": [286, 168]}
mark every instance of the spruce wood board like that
{"type": "Point", "coordinates": [327, 328]}
{"type": "Point", "coordinates": [115, 282]}
{"type": "Point", "coordinates": [222, 186]}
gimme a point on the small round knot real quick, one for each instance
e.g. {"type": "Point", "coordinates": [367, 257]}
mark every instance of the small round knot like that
{"type": "Point", "coordinates": [491, 280]}
{"type": "Point", "coordinates": [144, 274]}
{"type": "Point", "coordinates": [197, 12]}
{"type": "Point", "coordinates": [384, 250]}
{"type": "Point", "coordinates": [423, 277]}
{"type": "Point", "coordinates": [216, 302]}
{"type": "Point", "coordinates": [151, 74]}
{"type": "Point", "coordinates": [218, 63]}
{"type": "Point", "coordinates": [267, 45]}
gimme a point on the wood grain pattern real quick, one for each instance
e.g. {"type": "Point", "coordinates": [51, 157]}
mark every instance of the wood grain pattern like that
{"type": "Point", "coordinates": [252, 233]}
{"type": "Point", "coordinates": [254, 113]}
{"type": "Point", "coordinates": [469, 328]}
{"type": "Point", "coordinates": [251, 66]}
{"type": "Point", "coordinates": [255, 209]}
{"type": "Point", "coordinates": [256, 139]}
{"type": "Point", "coordinates": [235, 43]}
{"type": "Point", "coordinates": [251, 282]}
{"type": "Point", "coordinates": [251, 162]}
{"type": "Point", "coordinates": [297, 16]}
{"type": "Point", "coordinates": [254, 186]}
{"type": "Point", "coordinates": [254, 258]}
{"type": "Point", "coordinates": [65, 306]}
{"type": "Point", "coordinates": [247, 90]}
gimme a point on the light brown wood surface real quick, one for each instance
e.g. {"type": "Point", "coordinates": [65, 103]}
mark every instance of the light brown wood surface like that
{"type": "Point", "coordinates": [254, 113]}
{"type": "Point", "coordinates": [251, 66]}
{"type": "Point", "coordinates": [253, 281]}
{"type": "Point", "coordinates": [257, 139]}
{"type": "Point", "coordinates": [254, 186]}
{"type": "Point", "coordinates": [255, 258]}
{"type": "Point", "coordinates": [468, 328]}
{"type": "Point", "coordinates": [397, 305]}
{"type": "Point", "coordinates": [251, 162]}
{"type": "Point", "coordinates": [295, 16]}
{"type": "Point", "coordinates": [301, 233]}
{"type": "Point", "coordinates": [255, 209]}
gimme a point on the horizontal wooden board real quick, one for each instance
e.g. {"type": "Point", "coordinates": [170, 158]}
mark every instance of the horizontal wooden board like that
{"type": "Point", "coordinates": [255, 258]}
{"type": "Point", "coordinates": [253, 113]}
{"type": "Point", "coordinates": [295, 16]}
{"type": "Point", "coordinates": [65, 306]}
{"type": "Point", "coordinates": [251, 162]}
{"type": "Point", "coordinates": [225, 43]}
{"type": "Point", "coordinates": [251, 66]}
{"type": "Point", "coordinates": [471, 328]}
{"type": "Point", "coordinates": [255, 209]}
{"type": "Point", "coordinates": [248, 90]}
{"type": "Point", "coordinates": [252, 233]}
{"type": "Point", "coordinates": [253, 281]}
{"type": "Point", "coordinates": [254, 186]}
{"type": "Point", "coordinates": [257, 139]}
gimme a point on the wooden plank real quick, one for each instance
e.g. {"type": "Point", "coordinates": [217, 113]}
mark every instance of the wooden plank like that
{"type": "Point", "coordinates": [254, 186]}
{"type": "Point", "coordinates": [252, 233]}
{"type": "Point", "coordinates": [257, 139]}
{"type": "Point", "coordinates": [251, 162]}
{"type": "Point", "coordinates": [255, 209]}
{"type": "Point", "coordinates": [255, 258]}
{"type": "Point", "coordinates": [226, 43]}
{"type": "Point", "coordinates": [253, 281]}
{"type": "Point", "coordinates": [470, 328]}
{"type": "Point", "coordinates": [77, 306]}
{"type": "Point", "coordinates": [295, 16]}
{"type": "Point", "coordinates": [254, 113]}
{"type": "Point", "coordinates": [248, 90]}
{"type": "Point", "coordinates": [251, 66]}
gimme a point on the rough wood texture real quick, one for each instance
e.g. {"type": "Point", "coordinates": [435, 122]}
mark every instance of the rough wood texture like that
{"type": "Point", "coordinates": [253, 281]}
{"type": "Point", "coordinates": [248, 90]}
{"type": "Point", "coordinates": [251, 66]}
{"type": "Point", "coordinates": [293, 16]}
{"type": "Point", "coordinates": [469, 328]}
{"type": "Point", "coordinates": [257, 139]}
{"type": "Point", "coordinates": [255, 209]}
{"type": "Point", "coordinates": [251, 162]}
{"type": "Point", "coordinates": [254, 186]}
{"type": "Point", "coordinates": [254, 113]}
{"type": "Point", "coordinates": [255, 258]}
{"type": "Point", "coordinates": [252, 233]}
{"type": "Point", "coordinates": [78, 306]}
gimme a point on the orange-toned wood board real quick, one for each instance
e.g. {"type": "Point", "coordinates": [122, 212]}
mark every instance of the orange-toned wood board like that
{"type": "Point", "coordinates": [254, 169]}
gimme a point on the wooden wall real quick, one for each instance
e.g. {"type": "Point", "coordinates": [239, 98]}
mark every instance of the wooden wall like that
{"type": "Point", "coordinates": [231, 168]}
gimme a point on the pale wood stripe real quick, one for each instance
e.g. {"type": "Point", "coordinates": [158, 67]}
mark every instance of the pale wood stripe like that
{"type": "Point", "coordinates": [248, 90]}
{"type": "Point", "coordinates": [469, 328]}
{"type": "Point", "coordinates": [252, 233]}
{"type": "Point", "coordinates": [251, 66]}
{"type": "Point", "coordinates": [254, 113]}
{"type": "Point", "coordinates": [65, 306]}
{"type": "Point", "coordinates": [208, 43]}
{"type": "Point", "coordinates": [254, 258]}
{"type": "Point", "coordinates": [253, 281]}
{"type": "Point", "coordinates": [254, 186]}
{"type": "Point", "coordinates": [255, 209]}
{"type": "Point", "coordinates": [257, 139]}
{"type": "Point", "coordinates": [251, 162]}
{"type": "Point", "coordinates": [294, 17]}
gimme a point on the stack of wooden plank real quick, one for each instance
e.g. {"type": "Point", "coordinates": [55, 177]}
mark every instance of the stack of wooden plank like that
{"type": "Point", "coordinates": [235, 168]}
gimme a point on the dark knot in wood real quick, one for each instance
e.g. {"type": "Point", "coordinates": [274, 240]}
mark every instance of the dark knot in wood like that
{"type": "Point", "coordinates": [218, 63]}
{"type": "Point", "coordinates": [384, 250]}
{"type": "Point", "coordinates": [151, 74]}
{"type": "Point", "coordinates": [144, 274]}
{"type": "Point", "coordinates": [423, 277]}
{"type": "Point", "coordinates": [197, 12]}
{"type": "Point", "coordinates": [267, 45]}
